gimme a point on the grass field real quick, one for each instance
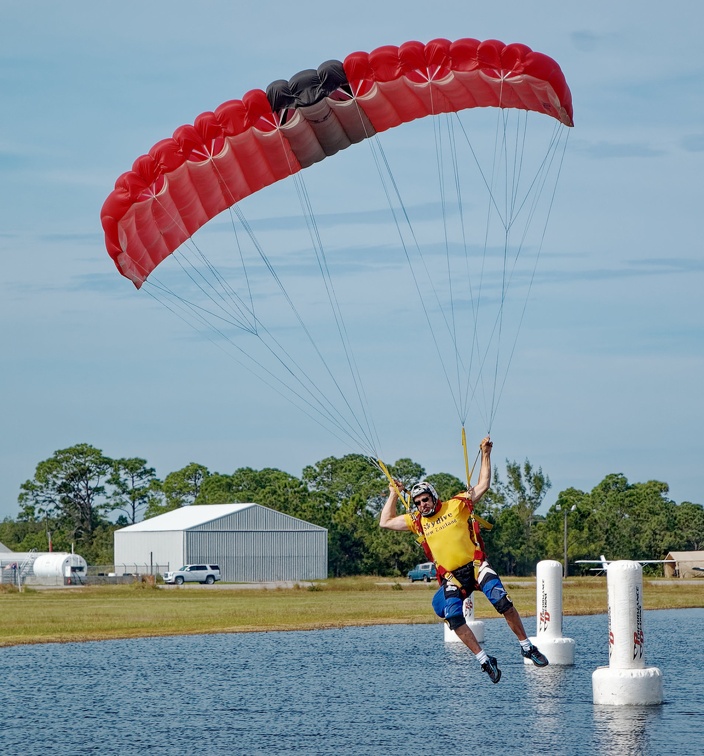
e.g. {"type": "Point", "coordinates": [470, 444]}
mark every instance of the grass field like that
{"type": "Point", "coordinates": [141, 610]}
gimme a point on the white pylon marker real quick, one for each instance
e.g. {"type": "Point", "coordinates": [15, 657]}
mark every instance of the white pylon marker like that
{"type": "Point", "coordinates": [476, 626]}
{"type": "Point", "coordinates": [626, 680]}
{"type": "Point", "coordinates": [548, 615]}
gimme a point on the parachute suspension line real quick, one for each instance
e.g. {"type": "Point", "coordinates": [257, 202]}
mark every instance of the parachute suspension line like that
{"type": "Point", "coordinates": [253, 326]}
{"type": "Point", "coordinates": [208, 289]}
{"type": "Point", "coordinates": [201, 313]}
{"type": "Point", "coordinates": [470, 289]}
{"type": "Point", "coordinates": [193, 309]}
{"type": "Point", "coordinates": [518, 161]}
{"type": "Point", "coordinates": [276, 349]}
{"type": "Point", "coordinates": [419, 290]}
{"type": "Point", "coordinates": [242, 314]}
{"type": "Point", "coordinates": [539, 180]}
{"type": "Point", "coordinates": [362, 440]}
{"type": "Point", "coordinates": [244, 267]}
{"type": "Point", "coordinates": [328, 414]}
{"type": "Point", "coordinates": [515, 208]}
{"type": "Point", "coordinates": [256, 327]}
{"type": "Point", "coordinates": [476, 300]}
{"type": "Point", "coordinates": [452, 326]}
{"type": "Point", "coordinates": [241, 322]}
{"type": "Point", "coordinates": [225, 286]}
{"type": "Point", "coordinates": [501, 155]}
{"type": "Point", "coordinates": [437, 130]}
{"type": "Point", "coordinates": [380, 159]}
{"type": "Point", "coordinates": [475, 294]}
{"type": "Point", "coordinates": [221, 287]}
{"type": "Point", "coordinates": [499, 161]}
{"type": "Point", "coordinates": [321, 257]}
{"type": "Point", "coordinates": [554, 149]}
{"type": "Point", "coordinates": [387, 178]}
{"type": "Point", "coordinates": [492, 202]}
{"type": "Point", "coordinates": [367, 432]}
{"type": "Point", "coordinates": [474, 347]}
{"type": "Point", "coordinates": [439, 122]}
{"type": "Point", "coordinates": [283, 389]}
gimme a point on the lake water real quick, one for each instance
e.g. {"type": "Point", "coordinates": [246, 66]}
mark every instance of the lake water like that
{"type": "Point", "coordinates": [377, 690]}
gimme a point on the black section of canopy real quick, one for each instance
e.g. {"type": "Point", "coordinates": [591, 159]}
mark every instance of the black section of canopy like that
{"type": "Point", "coordinates": [307, 87]}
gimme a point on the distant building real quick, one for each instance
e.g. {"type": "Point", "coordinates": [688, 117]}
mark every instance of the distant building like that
{"type": "Point", "coordinates": [42, 567]}
{"type": "Point", "coordinates": [684, 564]}
{"type": "Point", "coordinates": [249, 542]}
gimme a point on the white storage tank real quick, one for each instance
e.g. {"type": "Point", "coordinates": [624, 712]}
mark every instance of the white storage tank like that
{"type": "Point", "coordinates": [60, 565]}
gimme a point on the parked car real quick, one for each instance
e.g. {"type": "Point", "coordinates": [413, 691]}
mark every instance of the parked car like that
{"type": "Point", "coordinates": [425, 571]}
{"type": "Point", "coordinates": [194, 573]}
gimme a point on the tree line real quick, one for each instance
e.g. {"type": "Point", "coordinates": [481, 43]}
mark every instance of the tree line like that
{"type": "Point", "coordinates": [79, 497]}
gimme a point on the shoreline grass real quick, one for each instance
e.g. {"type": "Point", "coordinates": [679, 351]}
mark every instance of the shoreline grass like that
{"type": "Point", "coordinates": [93, 613]}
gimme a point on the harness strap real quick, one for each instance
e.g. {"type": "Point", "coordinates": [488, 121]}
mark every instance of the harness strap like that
{"type": "Point", "coordinates": [476, 522]}
{"type": "Point", "coordinates": [479, 553]}
{"type": "Point", "coordinates": [482, 522]}
{"type": "Point", "coordinates": [447, 575]}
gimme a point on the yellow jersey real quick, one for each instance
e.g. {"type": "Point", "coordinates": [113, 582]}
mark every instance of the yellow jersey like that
{"type": "Point", "coordinates": [448, 533]}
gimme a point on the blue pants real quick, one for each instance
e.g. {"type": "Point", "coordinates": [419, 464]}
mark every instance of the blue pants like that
{"type": "Point", "coordinates": [448, 599]}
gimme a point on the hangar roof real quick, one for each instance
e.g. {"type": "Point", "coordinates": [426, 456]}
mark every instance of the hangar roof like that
{"type": "Point", "coordinates": [220, 516]}
{"type": "Point", "coordinates": [187, 517]}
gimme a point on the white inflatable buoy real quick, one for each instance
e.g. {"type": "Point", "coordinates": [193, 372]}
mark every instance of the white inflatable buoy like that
{"type": "Point", "coordinates": [626, 680]}
{"type": "Point", "coordinates": [476, 626]}
{"type": "Point", "coordinates": [548, 615]}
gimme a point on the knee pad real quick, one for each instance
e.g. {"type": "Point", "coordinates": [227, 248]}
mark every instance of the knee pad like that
{"type": "Point", "coordinates": [447, 603]}
{"type": "Point", "coordinates": [493, 589]}
{"type": "Point", "coordinates": [457, 620]}
{"type": "Point", "coordinates": [503, 605]}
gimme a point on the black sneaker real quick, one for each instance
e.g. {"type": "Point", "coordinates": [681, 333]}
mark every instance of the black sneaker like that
{"type": "Point", "coordinates": [540, 660]}
{"type": "Point", "coordinates": [491, 667]}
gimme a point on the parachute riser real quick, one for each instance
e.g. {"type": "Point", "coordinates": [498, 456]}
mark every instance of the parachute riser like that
{"type": "Point", "coordinates": [402, 493]}
{"type": "Point", "coordinates": [473, 516]}
{"type": "Point", "coordinates": [468, 472]}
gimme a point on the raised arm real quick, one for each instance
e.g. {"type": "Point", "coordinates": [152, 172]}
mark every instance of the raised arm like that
{"type": "Point", "coordinates": [389, 519]}
{"type": "Point", "coordinates": [484, 480]}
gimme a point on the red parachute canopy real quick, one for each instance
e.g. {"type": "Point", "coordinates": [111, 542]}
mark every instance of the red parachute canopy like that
{"type": "Point", "coordinates": [247, 144]}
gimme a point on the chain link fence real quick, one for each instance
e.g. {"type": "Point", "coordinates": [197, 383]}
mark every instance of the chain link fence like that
{"type": "Point", "coordinates": [19, 574]}
{"type": "Point", "coordinates": [110, 574]}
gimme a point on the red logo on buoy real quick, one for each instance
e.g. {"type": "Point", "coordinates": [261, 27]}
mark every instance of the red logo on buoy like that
{"type": "Point", "coordinates": [638, 641]}
{"type": "Point", "coordinates": [544, 616]}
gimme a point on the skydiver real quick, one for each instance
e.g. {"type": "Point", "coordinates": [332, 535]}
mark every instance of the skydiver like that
{"type": "Point", "coordinates": [453, 538]}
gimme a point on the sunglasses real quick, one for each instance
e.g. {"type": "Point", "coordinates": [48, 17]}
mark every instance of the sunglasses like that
{"type": "Point", "coordinates": [423, 499]}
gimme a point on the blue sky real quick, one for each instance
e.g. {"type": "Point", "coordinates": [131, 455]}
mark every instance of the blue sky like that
{"type": "Point", "coordinates": [608, 371]}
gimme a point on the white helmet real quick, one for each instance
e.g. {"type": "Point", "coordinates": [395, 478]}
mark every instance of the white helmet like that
{"type": "Point", "coordinates": [422, 488]}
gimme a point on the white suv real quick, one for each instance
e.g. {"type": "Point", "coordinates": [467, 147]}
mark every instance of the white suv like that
{"type": "Point", "coordinates": [194, 573]}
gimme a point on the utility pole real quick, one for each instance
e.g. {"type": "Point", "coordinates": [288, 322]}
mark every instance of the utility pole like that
{"type": "Point", "coordinates": [565, 511]}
